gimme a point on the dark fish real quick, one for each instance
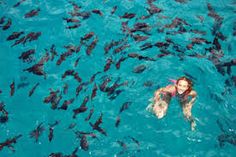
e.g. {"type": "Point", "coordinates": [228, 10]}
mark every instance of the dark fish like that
{"type": "Point", "coordinates": [21, 40]}
{"type": "Point", "coordinates": [141, 26]}
{"type": "Point", "coordinates": [124, 147]}
{"type": "Point", "coordinates": [182, 1]}
{"type": "Point", "coordinates": [82, 108]}
{"type": "Point", "coordinates": [18, 3]}
{"type": "Point", "coordinates": [63, 57]}
{"type": "Point", "coordinates": [112, 89]}
{"type": "Point", "coordinates": [96, 126]}
{"type": "Point", "coordinates": [87, 36]}
{"type": "Point", "coordinates": [33, 89]}
{"type": "Point", "coordinates": [50, 135]}
{"type": "Point", "coordinates": [84, 15]}
{"type": "Point", "coordinates": [113, 9]}
{"type": "Point", "coordinates": [22, 85]}
{"type": "Point", "coordinates": [124, 107]}
{"type": "Point", "coordinates": [2, 20]}
{"type": "Point", "coordinates": [121, 48]}
{"type": "Point", "coordinates": [37, 69]}
{"type": "Point", "coordinates": [93, 76]}
{"type": "Point", "coordinates": [12, 87]}
{"type": "Point", "coordinates": [66, 103]}
{"type": "Point", "coordinates": [71, 20]}
{"type": "Point", "coordinates": [27, 55]}
{"type": "Point", "coordinates": [84, 143]}
{"type": "Point", "coordinates": [139, 57]}
{"type": "Point", "coordinates": [55, 101]}
{"type": "Point", "coordinates": [52, 96]}
{"type": "Point", "coordinates": [72, 125]}
{"type": "Point", "coordinates": [14, 35]}
{"type": "Point", "coordinates": [213, 14]}
{"type": "Point", "coordinates": [78, 48]}
{"type": "Point", "coordinates": [136, 141]}
{"type": "Point", "coordinates": [221, 36]}
{"type": "Point", "coordinates": [68, 73]}
{"type": "Point", "coordinates": [148, 84]}
{"type": "Point", "coordinates": [117, 121]}
{"type": "Point", "coordinates": [9, 143]}
{"type": "Point", "coordinates": [56, 155]}
{"type": "Point", "coordinates": [32, 13]}
{"type": "Point", "coordinates": [4, 113]}
{"type": "Point", "coordinates": [44, 59]}
{"type": "Point", "coordinates": [119, 62]}
{"type": "Point", "coordinates": [146, 46]}
{"type": "Point", "coordinates": [31, 37]}
{"type": "Point", "coordinates": [94, 91]}
{"type": "Point", "coordinates": [96, 11]}
{"type": "Point", "coordinates": [198, 31]}
{"type": "Point", "coordinates": [72, 73]}
{"type": "Point", "coordinates": [217, 44]}
{"type": "Point", "coordinates": [176, 22]}
{"type": "Point", "coordinates": [145, 17]}
{"type": "Point", "coordinates": [74, 153]}
{"type": "Point", "coordinates": [77, 61]}
{"type": "Point", "coordinates": [75, 6]}
{"type": "Point", "coordinates": [102, 87]}
{"type": "Point", "coordinates": [115, 94]}
{"type": "Point", "coordinates": [77, 77]}
{"type": "Point", "coordinates": [126, 29]}
{"type": "Point", "coordinates": [79, 88]}
{"type": "Point", "coordinates": [190, 76]}
{"type": "Point", "coordinates": [37, 132]}
{"type": "Point", "coordinates": [153, 9]}
{"type": "Point", "coordinates": [79, 134]}
{"type": "Point", "coordinates": [200, 40]}
{"type": "Point", "coordinates": [139, 69]}
{"type": "Point", "coordinates": [128, 15]}
{"type": "Point", "coordinates": [113, 43]}
{"type": "Point", "coordinates": [7, 25]}
{"type": "Point", "coordinates": [108, 64]}
{"type": "Point", "coordinates": [53, 52]}
{"type": "Point", "coordinates": [122, 144]}
{"type": "Point", "coordinates": [70, 48]}
{"type": "Point", "coordinates": [51, 130]}
{"type": "Point", "coordinates": [90, 114]}
{"type": "Point", "coordinates": [73, 26]}
{"type": "Point", "coordinates": [91, 46]}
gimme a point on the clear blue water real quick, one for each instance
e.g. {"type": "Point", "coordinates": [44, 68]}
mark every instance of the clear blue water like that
{"type": "Point", "coordinates": [170, 136]}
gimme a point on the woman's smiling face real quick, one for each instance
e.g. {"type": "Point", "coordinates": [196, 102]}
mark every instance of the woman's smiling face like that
{"type": "Point", "coordinates": [182, 86]}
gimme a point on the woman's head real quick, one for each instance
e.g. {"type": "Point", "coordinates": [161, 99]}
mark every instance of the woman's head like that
{"type": "Point", "coordinates": [184, 85]}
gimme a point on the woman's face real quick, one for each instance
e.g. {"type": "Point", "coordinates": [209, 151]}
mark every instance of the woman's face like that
{"type": "Point", "coordinates": [182, 86]}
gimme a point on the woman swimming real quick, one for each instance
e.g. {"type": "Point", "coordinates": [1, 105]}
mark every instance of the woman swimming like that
{"type": "Point", "coordinates": [182, 89]}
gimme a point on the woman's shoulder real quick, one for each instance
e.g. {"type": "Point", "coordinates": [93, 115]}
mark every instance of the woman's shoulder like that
{"type": "Point", "coordinates": [170, 88]}
{"type": "Point", "coordinates": [193, 93]}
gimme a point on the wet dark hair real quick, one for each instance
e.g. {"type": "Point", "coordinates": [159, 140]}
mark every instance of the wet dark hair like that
{"type": "Point", "coordinates": [190, 84]}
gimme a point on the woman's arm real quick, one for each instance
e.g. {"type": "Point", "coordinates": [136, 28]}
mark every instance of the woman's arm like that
{"type": "Point", "coordinates": [194, 96]}
{"type": "Point", "coordinates": [160, 90]}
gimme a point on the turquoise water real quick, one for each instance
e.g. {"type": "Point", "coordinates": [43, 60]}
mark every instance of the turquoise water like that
{"type": "Point", "coordinates": [214, 109]}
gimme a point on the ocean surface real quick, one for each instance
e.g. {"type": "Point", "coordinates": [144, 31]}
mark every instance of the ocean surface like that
{"type": "Point", "coordinates": [108, 58]}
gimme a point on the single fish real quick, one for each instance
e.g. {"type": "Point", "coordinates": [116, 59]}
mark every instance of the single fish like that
{"type": "Point", "coordinates": [32, 13]}
{"type": "Point", "coordinates": [14, 35]}
{"type": "Point", "coordinates": [33, 89]}
{"type": "Point", "coordinates": [139, 69]}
